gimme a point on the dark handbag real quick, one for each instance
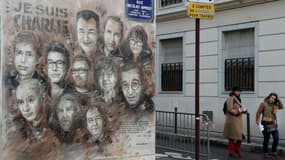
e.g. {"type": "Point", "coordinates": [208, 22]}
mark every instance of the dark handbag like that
{"type": "Point", "coordinates": [271, 127]}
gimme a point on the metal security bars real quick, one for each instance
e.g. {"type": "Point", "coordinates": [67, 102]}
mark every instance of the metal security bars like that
{"type": "Point", "coordinates": [171, 76]}
{"type": "Point", "coordinates": [176, 131]}
{"type": "Point", "coordinates": [164, 3]}
{"type": "Point", "coordinates": [239, 71]}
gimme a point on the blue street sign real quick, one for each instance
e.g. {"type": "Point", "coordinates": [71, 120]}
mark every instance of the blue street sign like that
{"type": "Point", "coordinates": [140, 10]}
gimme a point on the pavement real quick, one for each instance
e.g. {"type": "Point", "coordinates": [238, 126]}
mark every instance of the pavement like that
{"type": "Point", "coordinates": [250, 151]}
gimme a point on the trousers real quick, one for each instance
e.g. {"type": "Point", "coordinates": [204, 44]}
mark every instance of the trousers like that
{"type": "Point", "coordinates": [234, 146]}
{"type": "Point", "coordinates": [266, 138]}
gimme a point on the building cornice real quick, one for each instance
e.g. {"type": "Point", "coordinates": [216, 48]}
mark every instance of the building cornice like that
{"type": "Point", "coordinates": [222, 6]}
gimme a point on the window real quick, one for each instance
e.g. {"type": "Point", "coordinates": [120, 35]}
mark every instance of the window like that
{"type": "Point", "coordinates": [238, 52]}
{"type": "Point", "coordinates": [164, 3]}
{"type": "Point", "coordinates": [171, 64]}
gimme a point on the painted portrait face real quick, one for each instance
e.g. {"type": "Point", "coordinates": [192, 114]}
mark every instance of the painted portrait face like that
{"type": "Point", "coordinates": [87, 35]}
{"type": "Point", "coordinates": [55, 66]}
{"type": "Point", "coordinates": [25, 58]}
{"type": "Point", "coordinates": [112, 35]}
{"type": "Point", "coordinates": [28, 101]}
{"type": "Point", "coordinates": [80, 71]}
{"type": "Point", "coordinates": [107, 80]}
{"type": "Point", "coordinates": [65, 113]}
{"type": "Point", "coordinates": [94, 123]}
{"type": "Point", "coordinates": [131, 86]}
{"type": "Point", "coordinates": [136, 45]}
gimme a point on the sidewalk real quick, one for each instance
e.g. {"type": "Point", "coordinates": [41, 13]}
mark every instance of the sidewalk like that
{"type": "Point", "coordinates": [250, 151]}
{"type": "Point", "coordinates": [252, 147]}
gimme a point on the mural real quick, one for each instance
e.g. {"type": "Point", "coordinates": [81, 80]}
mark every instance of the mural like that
{"type": "Point", "coordinates": [78, 81]}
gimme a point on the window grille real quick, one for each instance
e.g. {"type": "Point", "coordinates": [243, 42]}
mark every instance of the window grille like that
{"type": "Point", "coordinates": [164, 3]}
{"type": "Point", "coordinates": [171, 76]}
{"type": "Point", "coordinates": [239, 71]}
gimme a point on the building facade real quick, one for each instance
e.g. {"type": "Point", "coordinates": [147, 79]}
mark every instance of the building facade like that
{"type": "Point", "coordinates": [243, 44]}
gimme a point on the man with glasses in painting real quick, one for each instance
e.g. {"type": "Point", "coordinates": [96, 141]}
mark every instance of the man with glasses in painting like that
{"type": "Point", "coordinates": [82, 79]}
{"type": "Point", "coordinates": [132, 84]}
{"type": "Point", "coordinates": [138, 111]}
{"type": "Point", "coordinates": [81, 74]}
{"type": "Point", "coordinates": [56, 59]}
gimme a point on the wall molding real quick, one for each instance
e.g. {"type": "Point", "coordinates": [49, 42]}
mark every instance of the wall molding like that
{"type": "Point", "coordinates": [162, 14]}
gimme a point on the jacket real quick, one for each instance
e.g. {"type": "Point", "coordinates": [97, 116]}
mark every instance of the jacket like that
{"type": "Point", "coordinates": [233, 127]}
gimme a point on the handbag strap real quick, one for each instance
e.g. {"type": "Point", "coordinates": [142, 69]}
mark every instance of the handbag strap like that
{"type": "Point", "coordinates": [237, 101]}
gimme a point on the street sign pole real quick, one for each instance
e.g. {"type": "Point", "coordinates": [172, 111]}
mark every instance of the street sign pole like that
{"type": "Point", "coordinates": [198, 9]}
{"type": "Point", "coordinates": [197, 88]}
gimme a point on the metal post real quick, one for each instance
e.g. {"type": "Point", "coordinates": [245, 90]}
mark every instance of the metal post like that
{"type": "Point", "coordinates": [248, 127]}
{"type": "Point", "coordinates": [197, 90]}
{"type": "Point", "coordinates": [175, 120]}
{"type": "Point", "coordinates": [208, 141]}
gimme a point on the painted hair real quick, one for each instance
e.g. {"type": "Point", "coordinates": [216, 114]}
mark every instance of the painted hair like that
{"type": "Point", "coordinates": [106, 64]}
{"type": "Point", "coordinates": [29, 37]}
{"type": "Point", "coordinates": [97, 107]}
{"type": "Point", "coordinates": [37, 87]}
{"type": "Point", "coordinates": [34, 85]}
{"type": "Point", "coordinates": [137, 32]}
{"type": "Point", "coordinates": [69, 97]}
{"type": "Point", "coordinates": [81, 57]}
{"type": "Point", "coordinates": [118, 20]}
{"type": "Point", "coordinates": [129, 66]}
{"type": "Point", "coordinates": [101, 109]}
{"type": "Point", "coordinates": [87, 15]}
{"type": "Point", "coordinates": [58, 47]}
{"type": "Point", "coordinates": [54, 123]}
